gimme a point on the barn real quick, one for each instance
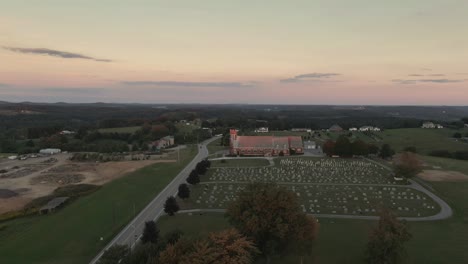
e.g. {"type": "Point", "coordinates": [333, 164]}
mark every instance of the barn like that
{"type": "Point", "coordinates": [264, 145]}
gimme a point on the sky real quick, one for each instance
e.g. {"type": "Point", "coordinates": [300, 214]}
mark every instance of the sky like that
{"type": "Point", "coordinates": [360, 52]}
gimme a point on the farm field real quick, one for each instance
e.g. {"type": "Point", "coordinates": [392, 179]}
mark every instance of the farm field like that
{"type": "Point", "coordinates": [77, 228]}
{"type": "Point", "coordinates": [449, 236]}
{"type": "Point", "coordinates": [447, 164]}
{"type": "Point", "coordinates": [425, 140]}
{"type": "Point", "coordinates": [323, 185]}
{"type": "Point", "coordinates": [129, 130]}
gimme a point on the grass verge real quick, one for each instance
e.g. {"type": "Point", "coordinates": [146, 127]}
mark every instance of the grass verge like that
{"type": "Point", "coordinates": [72, 235]}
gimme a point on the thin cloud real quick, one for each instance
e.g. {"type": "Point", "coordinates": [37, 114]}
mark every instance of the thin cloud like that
{"type": "Point", "coordinates": [73, 90]}
{"type": "Point", "coordinates": [54, 53]}
{"type": "Point", "coordinates": [436, 75]}
{"type": "Point", "coordinates": [189, 84]}
{"type": "Point", "coordinates": [416, 75]}
{"type": "Point", "coordinates": [309, 76]}
{"type": "Point", "coordinates": [430, 75]}
{"type": "Point", "coordinates": [442, 81]}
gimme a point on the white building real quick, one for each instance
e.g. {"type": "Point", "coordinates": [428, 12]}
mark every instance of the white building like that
{"type": "Point", "coordinates": [261, 130]}
{"type": "Point", "coordinates": [301, 130]}
{"type": "Point", "coordinates": [431, 125]}
{"type": "Point", "coordinates": [369, 128]}
{"type": "Point", "coordinates": [353, 129]}
{"type": "Point", "coordinates": [310, 145]}
{"type": "Point", "coordinates": [66, 132]}
{"type": "Point", "coordinates": [50, 151]}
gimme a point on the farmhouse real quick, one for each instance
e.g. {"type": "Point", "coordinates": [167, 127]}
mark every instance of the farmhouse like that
{"type": "Point", "coordinates": [162, 143]}
{"type": "Point", "coordinates": [431, 125]}
{"type": "Point", "coordinates": [264, 145]}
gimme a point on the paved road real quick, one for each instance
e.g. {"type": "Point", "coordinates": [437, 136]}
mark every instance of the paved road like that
{"type": "Point", "coordinates": [132, 232]}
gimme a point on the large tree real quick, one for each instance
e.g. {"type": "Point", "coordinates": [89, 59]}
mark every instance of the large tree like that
{"type": "Point", "coordinates": [386, 242]}
{"type": "Point", "coordinates": [329, 147]}
{"type": "Point", "coordinates": [183, 191]}
{"type": "Point", "coordinates": [193, 177]}
{"type": "Point", "coordinates": [272, 216]}
{"type": "Point", "coordinates": [343, 147]}
{"type": "Point", "coordinates": [150, 233]}
{"type": "Point", "coordinates": [360, 148]}
{"type": "Point", "coordinates": [386, 152]}
{"type": "Point", "coordinates": [171, 206]}
{"type": "Point", "coordinates": [407, 165]}
{"type": "Point", "coordinates": [228, 246]}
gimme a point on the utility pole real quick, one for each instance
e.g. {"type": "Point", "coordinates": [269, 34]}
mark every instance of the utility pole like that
{"type": "Point", "coordinates": [134, 224]}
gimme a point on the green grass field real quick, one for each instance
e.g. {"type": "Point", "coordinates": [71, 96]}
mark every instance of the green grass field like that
{"type": "Point", "coordinates": [215, 146]}
{"type": "Point", "coordinates": [72, 234]}
{"type": "Point", "coordinates": [425, 140]}
{"type": "Point", "coordinates": [349, 237]}
{"type": "Point", "coordinates": [239, 163]}
{"type": "Point", "coordinates": [447, 164]}
{"type": "Point", "coordinates": [186, 129]}
{"type": "Point", "coordinates": [129, 130]}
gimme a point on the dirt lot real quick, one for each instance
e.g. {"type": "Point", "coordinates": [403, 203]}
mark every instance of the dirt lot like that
{"type": "Point", "coordinates": [38, 177]}
{"type": "Point", "coordinates": [437, 175]}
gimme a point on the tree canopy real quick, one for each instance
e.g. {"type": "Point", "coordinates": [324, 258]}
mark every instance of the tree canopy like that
{"type": "Point", "coordinates": [407, 165]}
{"type": "Point", "coordinates": [150, 233]}
{"type": "Point", "coordinates": [171, 206]}
{"type": "Point", "coordinates": [272, 216]}
{"type": "Point", "coordinates": [386, 242]}
{"type": "Point", "coordinates": [228, 246]}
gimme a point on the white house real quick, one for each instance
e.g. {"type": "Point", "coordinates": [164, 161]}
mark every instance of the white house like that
{"type": "Point", "coordinates": [369, 128]}
{"type": "Point", "coordinates": [431, 125]}
{"type": "Point", "coordinates": [428, 125]}
{"type": "Point", "coordinates": [353, 129]}
{"type": "Point", "coordinates": [261, 130]}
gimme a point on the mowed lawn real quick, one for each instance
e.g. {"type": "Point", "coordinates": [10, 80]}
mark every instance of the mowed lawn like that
{"type": "Point", "coordinates": [239, 163]}
{"type": "Point", "coordinates": [215, 146]}
{"type": "Point", "coordinates": [425, 140]}
{"type": "Point", "coordinates": [72, 235]}
{"type": "Point", "coordinates": [447, 164]}
{"type": "Point", "coordinates": [129, 130]}
{"type": "Point", "coordinates": [344, 241]}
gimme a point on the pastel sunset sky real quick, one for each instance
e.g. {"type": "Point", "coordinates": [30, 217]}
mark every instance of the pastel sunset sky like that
{"type": "Point", "coordinates": [215, 51]}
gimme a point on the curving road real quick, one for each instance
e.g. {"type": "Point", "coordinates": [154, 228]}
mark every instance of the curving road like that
{"type": "Point", "coordinates": [132, 232]}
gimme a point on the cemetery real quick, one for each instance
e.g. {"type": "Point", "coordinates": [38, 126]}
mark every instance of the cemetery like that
{"type": "Point", "coordinates": [324, 186]}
